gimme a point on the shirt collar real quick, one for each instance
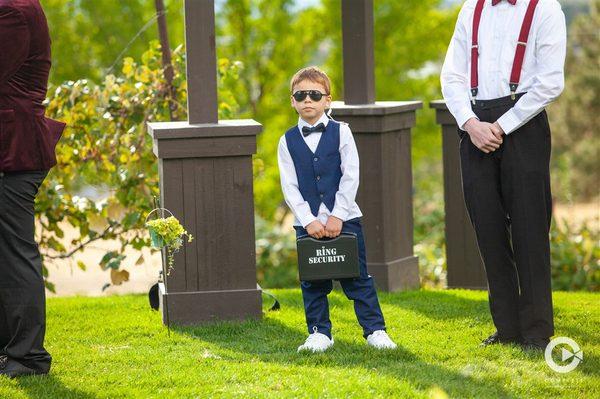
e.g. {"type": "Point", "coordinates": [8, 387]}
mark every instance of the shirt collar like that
{"type": "Point", "coordinates": [323, 119]}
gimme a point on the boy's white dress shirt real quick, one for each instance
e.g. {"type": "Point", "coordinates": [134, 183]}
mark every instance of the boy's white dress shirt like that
{"type": "Point", "coordinates": [345, 205]}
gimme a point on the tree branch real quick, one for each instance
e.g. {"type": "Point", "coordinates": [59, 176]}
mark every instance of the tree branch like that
{"type": "Point", "coordinates": [81, 246]}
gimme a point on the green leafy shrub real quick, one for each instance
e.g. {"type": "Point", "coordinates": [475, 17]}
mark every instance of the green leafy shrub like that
{"type": "Point", "coordinates": [575, 251]}
{"type": "Point", "coordinates": [107, 174]}
{"type": "Point", "coordinates": [276, 257]}
{"type": "Point", "coordinates": [575, 116]}
{"type": "Point", "coordinates": [429, 235]}
{"type": "Point", "coordinates": [575, 257]}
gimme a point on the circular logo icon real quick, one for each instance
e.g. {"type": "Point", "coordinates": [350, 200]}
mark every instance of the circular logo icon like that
{"type": "Point", "coordinates": [568, 353]}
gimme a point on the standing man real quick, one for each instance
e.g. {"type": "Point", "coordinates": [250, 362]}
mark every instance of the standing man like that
{"type": "Point", "coordinates": [503, 67]}
{"type": "Point", "coordinates": [27, 143]}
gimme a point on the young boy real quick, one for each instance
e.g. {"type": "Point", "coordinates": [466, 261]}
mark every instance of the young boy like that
{"type": "Point", "coordinates": [319, 167]}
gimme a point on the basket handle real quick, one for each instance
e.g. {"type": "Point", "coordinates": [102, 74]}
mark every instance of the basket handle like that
{"type": "Point", "coordinates": [158, 209]}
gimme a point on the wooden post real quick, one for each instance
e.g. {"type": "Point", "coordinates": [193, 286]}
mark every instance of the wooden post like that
{"type": "Point", "coordinates": [165, 50]}
{"type": "Point", "coordinates": [382, 131]}
{"type": "Point", "coordinates": [205, 168]}
{"type": "Point", "coordinates": [464, 265]}
{"type": "Point", "coordinates": [359, 56]}
{"type": "Point", "coordinates": [201, 61]}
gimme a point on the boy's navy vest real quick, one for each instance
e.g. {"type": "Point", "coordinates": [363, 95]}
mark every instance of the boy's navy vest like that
{"type": "Point", "coordinates": [318, 173]}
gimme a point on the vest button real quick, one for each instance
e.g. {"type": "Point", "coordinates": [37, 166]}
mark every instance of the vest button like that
{"type": "Point", "coordinates": [318, 177]}
{"type": "Point", "coordinates": [321, 195]}
{"type": "Point", "coordinates": [315, 159]}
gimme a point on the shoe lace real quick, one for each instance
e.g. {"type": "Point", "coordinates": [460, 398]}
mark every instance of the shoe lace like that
{"type": "Point", "coordinates": [379, 333]}
{"type": "Point", "coordinates": [311, 338]}
{"type": "Point", "coordinates": [3, 362]}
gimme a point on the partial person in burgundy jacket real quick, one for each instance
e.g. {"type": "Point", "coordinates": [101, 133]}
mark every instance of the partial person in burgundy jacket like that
{"type": "Point", "coordinates": [27, 152]}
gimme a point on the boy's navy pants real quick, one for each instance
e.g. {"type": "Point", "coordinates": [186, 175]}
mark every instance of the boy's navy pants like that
{"type": "Point", "coordinates": [361, 290]}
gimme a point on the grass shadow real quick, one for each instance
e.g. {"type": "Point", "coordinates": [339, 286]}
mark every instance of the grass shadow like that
{"type": "Point", "coordinates": [270, 340]}
{"type": "Point", "coordinates": [439, 305]}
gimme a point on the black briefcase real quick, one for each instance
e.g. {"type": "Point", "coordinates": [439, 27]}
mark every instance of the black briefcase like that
{"type": "Point", "coordinates": [328, 258]}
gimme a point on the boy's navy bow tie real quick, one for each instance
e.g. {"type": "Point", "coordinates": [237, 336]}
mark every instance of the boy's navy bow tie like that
{"type": "Point", "coordinates": [308, 130]}
{"type": "Point", "coordinates": [513, 2]}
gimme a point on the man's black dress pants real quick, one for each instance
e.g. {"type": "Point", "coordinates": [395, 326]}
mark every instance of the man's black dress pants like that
{"type": "Point", "coordinates": [508, 198]}
{"type": "Point", "coordinates": [22, 295]}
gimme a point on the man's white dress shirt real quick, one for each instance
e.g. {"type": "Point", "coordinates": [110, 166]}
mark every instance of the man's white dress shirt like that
{"type": "Point", "coordinates": [345, 207]}
{"type": "Point", "coordinates": [542, 75]}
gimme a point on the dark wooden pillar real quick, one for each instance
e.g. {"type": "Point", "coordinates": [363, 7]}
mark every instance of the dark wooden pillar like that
{"type": "Point", "coordinates": [464, 265]}
{"type": "Point", "coordinates": [382, 131]}
{"type": "Point", "coordinates": [359, 58]}
{"type": "Point", "coordinates": [205, 168]}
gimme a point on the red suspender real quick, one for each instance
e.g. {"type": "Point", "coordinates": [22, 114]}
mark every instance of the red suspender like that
{"type": "Point", "coordinates": [515, 75]}
{"type": "Point", "coordinates": [475, 48]}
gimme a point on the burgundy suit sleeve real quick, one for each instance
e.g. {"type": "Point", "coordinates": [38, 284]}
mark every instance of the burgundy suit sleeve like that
{"type": "Point", "coordinates": [14, 42]}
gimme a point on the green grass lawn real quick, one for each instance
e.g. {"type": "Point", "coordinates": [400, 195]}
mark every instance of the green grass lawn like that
{"type": "Point", "coordinates": [116, 347]}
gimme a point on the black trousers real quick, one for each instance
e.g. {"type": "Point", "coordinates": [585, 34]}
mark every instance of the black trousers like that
{"type": "Point", "coordinates": [22, 293]}
{"type": "Point", "coordinates": [508, 198]}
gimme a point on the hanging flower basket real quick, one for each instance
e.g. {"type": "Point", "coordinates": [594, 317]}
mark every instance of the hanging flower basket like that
{"type": "Point", "coordinates": [167, 233]}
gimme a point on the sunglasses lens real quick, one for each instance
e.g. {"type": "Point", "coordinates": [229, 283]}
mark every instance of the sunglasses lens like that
{"type": "Point", "coordinates": [300, 95]}
{"type": "Point", "coordinates": [315, 95]}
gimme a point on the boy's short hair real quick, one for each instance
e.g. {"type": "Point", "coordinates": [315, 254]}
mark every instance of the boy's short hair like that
{"type": "Point", "coordinates": [314, 74]}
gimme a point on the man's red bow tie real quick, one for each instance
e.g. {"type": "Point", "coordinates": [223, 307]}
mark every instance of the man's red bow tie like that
{"type": "Point", "coordinates": [513, 2]}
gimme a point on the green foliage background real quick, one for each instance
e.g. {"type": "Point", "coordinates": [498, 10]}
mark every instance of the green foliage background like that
{"type": "Point", "coordinates": [260, 45]}
{"type": "Point", "coordinates": [576, 115]}
{"type": "Point", "coordinates": [106, 148]}
{"type": "Point", "coordinates": [88, 36]}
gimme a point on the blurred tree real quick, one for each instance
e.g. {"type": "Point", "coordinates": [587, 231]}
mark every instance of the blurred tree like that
{"type": "Point", "coordinates": [572, 8]}
{"type": "Point", "coordinates": [106, 176]}
{"type": "Point", "coordinates": [576, 114]}
{"type": "Point", "coordinates": [273, 40]}
{"type": "Point", "coordinates": [106, 147]}
{"type": "Point", "coordinates": [90, 36]}
{"type": "Point", "coordinates": [408, 58]}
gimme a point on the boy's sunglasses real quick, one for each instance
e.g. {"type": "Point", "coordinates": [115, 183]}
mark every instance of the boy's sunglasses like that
{"type": "Point", "coordinates": [314, 95]}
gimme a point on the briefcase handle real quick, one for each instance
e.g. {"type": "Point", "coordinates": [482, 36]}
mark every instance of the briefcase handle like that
{"type": "Point", "coordinates": [327, 239]}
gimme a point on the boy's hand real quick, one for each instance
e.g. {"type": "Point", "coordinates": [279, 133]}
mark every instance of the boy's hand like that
{"type": "Point", "coordinates": [316, 229]}
{"type": "Point", "coordinates": [333, 227]}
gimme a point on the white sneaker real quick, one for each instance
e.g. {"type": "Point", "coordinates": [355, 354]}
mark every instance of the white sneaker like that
{"type": "Point", "coordinates": [316, 342]}
{"type": "Point", "coordinates": [380, 340]}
